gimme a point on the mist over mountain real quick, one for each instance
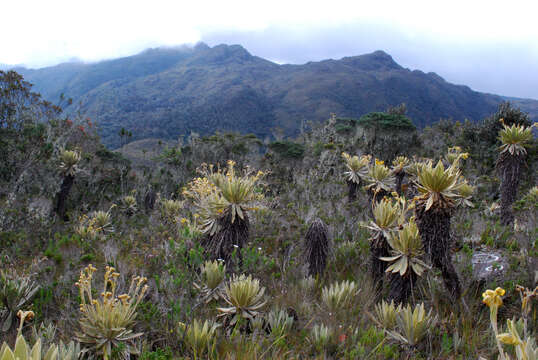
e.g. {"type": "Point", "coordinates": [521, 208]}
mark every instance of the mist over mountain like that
{"type": "Point", "coordinates": [167, 92]}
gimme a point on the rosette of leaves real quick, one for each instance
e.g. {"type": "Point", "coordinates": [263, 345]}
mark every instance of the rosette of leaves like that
{"type": "Point", "coordinates": [405, 261]}
{"type": "Point", "coordinates": [244, 296]}
{"type": "Point", "coordinates": [388, 215]}
{"type": "Point", "coordinates": [465, 192]}
{"type": "Point", "coordinates": [107, 322]}
{"type": "Point", "coordinates": [170, 210]}
{"type": "Point", "coordinates": [222, 199]}
{"type": "Point", "coordinates": [380, 180]}
{"type": "Point", "coordinates": [399, 169]}
{"type": "Point", "coordinates": [15, 293]}
{"type": "Point", "coordinates": [69, 351]}
{"type": "Point", "coordinates": [339, 295]}
{"type": "Point", "coordinates": [128, 204]}
{"type": "Point", "coordinates": [385, 314]}
{"type": "Point", "coordinates": [454, 154]}
{"type": "Point", "coordinates": [213, 274]}
{"type": "Point", "coordinates": [46, 334]}
{"type": "Point", "coordinates": [22, 351]}
{"type": "Point", "coordinates": [200, 338]}
{"type": "Point", "coordinates": [211, 210]}
{"type": "Point", "coordinates": [101, 222]}
{"type": "Point", "coordinates": [511, 159]}
{"type": "Point", "coordinates": [438, 185]}
{"type": "Point", "coordinates": [321, 337]}
{"type": "Point", "coordinates": [412, 325]}
{"type": "Point", "coordinates": [406, 249]}
{"type": "Point", "coordinates": [69, 160]}
{"type": "Point", "coordinates": [413, 170]}
{"type": "Point", "coordinates": [279, 322]}
{"type": "Point", "coordinates": [514, 139]}
{"type": "Point", "coordinates": [356, 169]}
{"type": "Point", "coordinates": [439, 189]}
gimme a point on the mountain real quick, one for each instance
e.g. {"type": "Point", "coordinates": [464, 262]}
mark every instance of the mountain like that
{"type": "Point", "coordinates": [167, 92]}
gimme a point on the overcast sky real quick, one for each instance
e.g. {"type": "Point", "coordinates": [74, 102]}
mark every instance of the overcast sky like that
{"type": "Point", "coordinates": [489, 45]}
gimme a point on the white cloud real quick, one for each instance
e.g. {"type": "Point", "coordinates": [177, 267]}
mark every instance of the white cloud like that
{"type": "Point", "coordinates": [44, 32]}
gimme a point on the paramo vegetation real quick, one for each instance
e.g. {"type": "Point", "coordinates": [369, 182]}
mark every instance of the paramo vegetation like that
{"type": "Point", "coordinates": [359, 239]}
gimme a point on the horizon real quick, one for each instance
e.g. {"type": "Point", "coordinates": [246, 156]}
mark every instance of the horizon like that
{"type": "Point", "coordinates": [491, 48]}
{"type": "Point", "coordinates": [180, 46]}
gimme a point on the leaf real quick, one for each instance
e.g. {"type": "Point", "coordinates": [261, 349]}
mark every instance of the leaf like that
{"type": "Point", "coordinates": [390, 258]}
{"type": "Point", "coordinates": [7, 322]}
{"type": "Point", "coordinates": [403, 265]}
{"type": "Point", "coordinates": [8, 354]}
{"type": "Point", "coordinates": [21, 348]}
{"type": "Point", "coordinates": [35, 354]}
{"type": "Point", "coordinates": [429, 203]}
{"type": "Point", "coordinates": [52, 353]}
{"type": "Point", "coordinates": [240, 212]}
{"type": "Point", "coordinates": [417, 268]}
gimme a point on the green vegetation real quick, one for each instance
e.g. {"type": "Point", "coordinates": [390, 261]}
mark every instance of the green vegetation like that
{"type": "Point", "coordinates": [384, 121]}
{"type": "Point", "coordinates": [171, 92]}
{"type": "Point", "coordinates": [246, 253]}
{"type": "Point", "coordinates": [287, 149]}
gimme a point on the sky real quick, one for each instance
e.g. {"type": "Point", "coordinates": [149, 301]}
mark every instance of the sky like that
{"type": "Point", "coordinates": [489, 45]}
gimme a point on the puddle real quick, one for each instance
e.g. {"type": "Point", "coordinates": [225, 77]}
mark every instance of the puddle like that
{"type": "Point", "coordinates": [487, 264]}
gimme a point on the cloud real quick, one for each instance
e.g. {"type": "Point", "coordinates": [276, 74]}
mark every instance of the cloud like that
{"type": "Point", "coordinates": [488, 45]}
{"type": "Point", "coordinates": [502, 67]}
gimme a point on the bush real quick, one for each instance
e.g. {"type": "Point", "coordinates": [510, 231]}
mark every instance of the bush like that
{"type": "Point", "coordinates": [387, 121]}
{"type": "Point", "coordinates": [288, 149]}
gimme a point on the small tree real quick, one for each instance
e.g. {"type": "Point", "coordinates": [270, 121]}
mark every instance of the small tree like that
{"type": "Point", "coordinates": [223, 199]}
{"type": "Point", "coordinates": [387, 135]}
{"type": "Point", "coordinates": [69, 160]}
{"type": "Point", "coordinates": [511, 158]}
{"type": "Point", "coordinates": [380, 181]}
{"type": "Point", "coordinates": [399, 167]}
{"type": "Point", "coordinates": [317, 247]}
{"type": "Point", "coordinates": [405, 262]}
{"type": "Point", "coordinates": [388, 215]}
{"type": "Point", "coordinates": [439, 190]}
{"type": "Point", "coordinates": [356, 169]}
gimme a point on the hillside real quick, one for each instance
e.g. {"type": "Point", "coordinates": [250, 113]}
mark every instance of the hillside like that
{"type": "Point", "coordinates": [165, 92]}
{"type": "Point", "coordinates": [227, 246]}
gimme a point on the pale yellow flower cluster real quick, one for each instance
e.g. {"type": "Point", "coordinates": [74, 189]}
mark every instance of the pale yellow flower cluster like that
{"type": "Point", "coordinates": [108, 319]}
{"type": "Point", "coordinates": [493, 297]}
{"type": "Point", "coordinates": [219, 192]}
{"type": "Point", "coordinates": [108, 295]}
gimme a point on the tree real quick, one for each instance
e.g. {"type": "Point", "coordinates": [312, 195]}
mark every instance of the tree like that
{"type": "Point", "coordinates": [440, 189]}
{"type": "Point", "coordinates": [509, 163]}
{"type": "Point", "coordinates": [68, 167]}
{"type": "Point", "coordinates": [26, 139]}
{"type": "Point", "coordinates": [388, 135]}
{"type": "Point", "coordinates": [317, 247]}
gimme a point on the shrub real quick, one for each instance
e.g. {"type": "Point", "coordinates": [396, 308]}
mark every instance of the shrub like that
{"type": "Point", "coordinates": [386, 121]}
{"type": "Point", "coordinates": [339, 295]}
{"type": "Point", "coordinates": [106, 323]}
{"type": "Point", "coordinates": [288, 149]}
{"type": "Point", "coordinates": [201, 338]}
{"type": "Point", "coordinates": [245, 297]}
{"type": "Point", "coordinates": [213, 273]}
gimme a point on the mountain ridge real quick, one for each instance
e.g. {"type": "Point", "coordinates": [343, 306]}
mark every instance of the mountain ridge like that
{"type": "Point", "coordinates": [168, 92]}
